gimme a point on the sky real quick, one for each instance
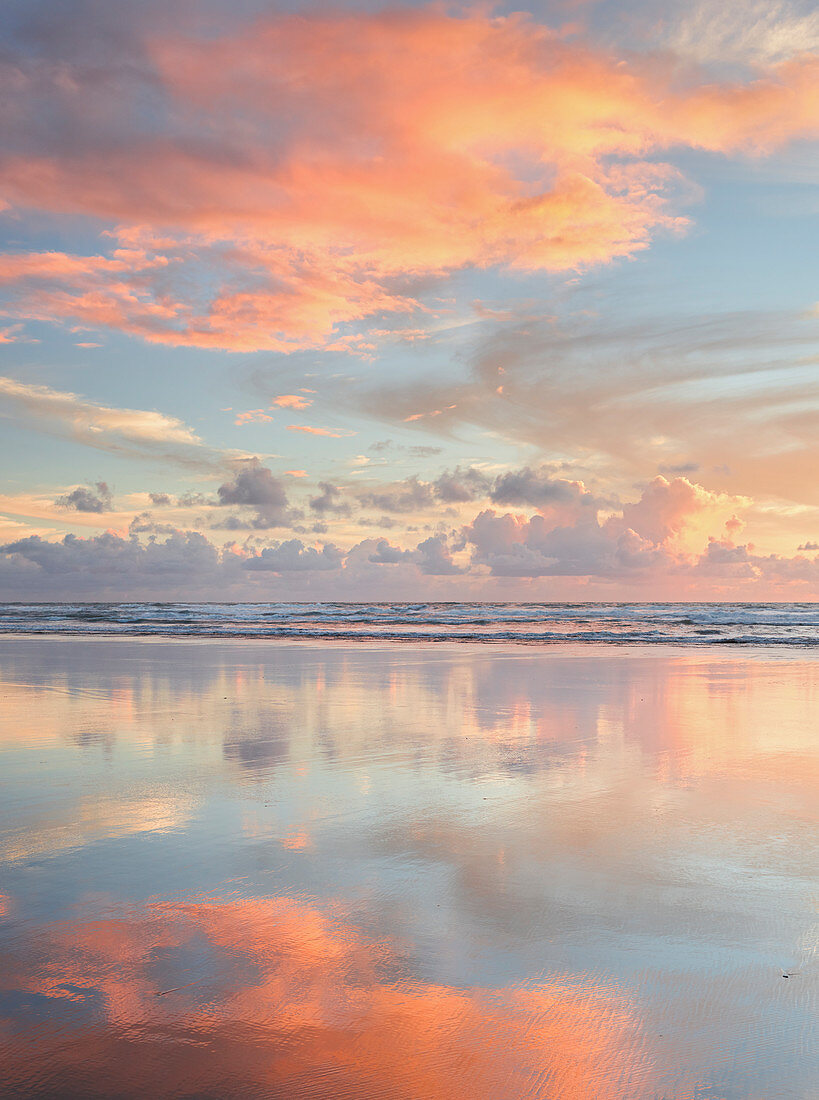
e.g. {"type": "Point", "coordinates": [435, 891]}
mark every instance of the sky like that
{"type": "Point", "coordinates": [411, 302]}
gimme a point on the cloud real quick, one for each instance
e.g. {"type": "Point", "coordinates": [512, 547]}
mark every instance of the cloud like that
{"type": "Point", "coordinates": [676, 538]}
{"type": "Point", "coordinates": [461, 485]}
{"type": "Point", "coordinates": [435, 559]}
{"type": "Point", "coordinates": [252, 416]}
{"type": "Point", "coordinates": [329, 500]}
{"type": "Point", "coordinates": [423, 451]}
{"type": "Point", "coordinates": [680, 468]}
{"type": "Point", "coordinates": [83, 499]}
{"type": "Point", "coordinates": [410, 495]}
{"type": "Point", "coordinates": [145, 524]}
{"type": "Point", "coordinates": [13, 334]}
{"type": "Point", "coordinates": [538, 488]}
{"type": "Point", "coordinates": [294, 556]}
{"type": "Point", "coordinates": [385, 554]}
{"type": "Point", "coordinates": [108, 564]}
{"type": "Point", "coordinates": [289, 178]}
{"type": "Point", "coordinates": [254, 486]}
{"type": "Point", "coordinates": [292, 401]}
{"type": "Point", "coordinates": [132, 431]}
{"type": "Point", "coordinates": [431, 413]}
{"type": "Point", "coordinates": [641, 395]}
{"type": "Point", "coordinates": [760, 33]}
{"type": "Point", "coordinates": [666, 507]}
{"type": "Point", "coordinates": [647, 537]}
{"type": "Point", "coordinates": [317, 431]}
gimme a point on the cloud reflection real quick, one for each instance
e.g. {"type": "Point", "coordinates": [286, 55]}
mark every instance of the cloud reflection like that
{"type": "Point", "coordinates": [414, 871]}
{"type": "Point", "coordinates": [277, 997]}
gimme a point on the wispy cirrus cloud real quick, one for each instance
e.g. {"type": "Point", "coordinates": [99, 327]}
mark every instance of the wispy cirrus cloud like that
{"type": "Point", "coordinates": [306, 429]}
{"type": "Point", "coordinates": [759, 33]}
{"type": "Point", "coordinates": [143, 432]}
{"type": "Point", "coordinates": [639, 397]}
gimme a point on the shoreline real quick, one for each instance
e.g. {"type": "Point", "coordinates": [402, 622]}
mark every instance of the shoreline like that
{"type": "Point", "coordinates": [722, 648]}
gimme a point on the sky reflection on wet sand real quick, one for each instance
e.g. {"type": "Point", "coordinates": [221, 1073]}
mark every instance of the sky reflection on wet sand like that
{"type": "Point", "coordinates": [240, 869]}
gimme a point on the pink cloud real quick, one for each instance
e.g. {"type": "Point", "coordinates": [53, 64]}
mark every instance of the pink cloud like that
{"type": "Point", "coordinates": [571, 552]}
{"type": "Point", "coordinates": [660, 534]}
{"type": "Point", "coordinates": [434, 412]}
{"type": "Point", "coordinates": [317, 431]}
{"type": "Point", "coordinates": [349, 156]}
{"type": "Point", "coordinates": [252, 416]}
{"type": "Point", "coordinates": [291, 401]}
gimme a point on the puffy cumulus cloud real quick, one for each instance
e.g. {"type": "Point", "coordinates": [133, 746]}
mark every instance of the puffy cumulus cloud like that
{"type": "Point", "coordinates": [645, 538]}
{"type": "Point", "coordinates": [434, 558]}
{"type": "Point", "coordinates": [540, 489]}
{"type": "Point", "coordinates": [537, 488]}
{"type": "Point", "coordinates": [461, 485]}
{"type": "Point", "coordinates": [384, 554]}
{"type": "Point", "coordinates": [108, 564]}
{"type": "Point", "coordinates": [83, 499]}
{"type": "Point", "coordinates": [254, 486]}
{"type": "Point", "coordinates": [367, 562]}
{"type": "Point", "coordinates": [299, 174]}
{"type": "Point", "coordinates": [496, 556]}
{"type": "Point", "coordinates": [514, 546]}
{"type": "Point", "coordinates": [329, 500]}
{"type": "Point", "coordinates": [145, 524]}
{"type": "Point", "coordinates": [410, 495]}
{"type": "Point", "coordinates": [132, 431]}
{"type": "Point", "coordinates": [667, 509]}
{"type": "Point", "coordinates": [185, 563]}
{"type": "Point", "coordinates": [725, 562]}
{"type": "Point", "coordinates": [294, 556]}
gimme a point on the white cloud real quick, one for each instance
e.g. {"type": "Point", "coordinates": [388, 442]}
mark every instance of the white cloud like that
{"type": "Point", "coordinates": [758, 32]}
{"type": "Point", "coordinates": [58, 412]}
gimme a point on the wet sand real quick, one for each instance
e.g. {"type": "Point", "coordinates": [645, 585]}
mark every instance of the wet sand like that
{"type": "Point", "coordinates": [238, 869]}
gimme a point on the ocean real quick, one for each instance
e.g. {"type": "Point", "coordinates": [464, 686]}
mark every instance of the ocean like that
{"type": "Point", "coordinates": [700, 624]}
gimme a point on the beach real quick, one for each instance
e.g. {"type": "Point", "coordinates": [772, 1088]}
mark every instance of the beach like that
{"type": "Point", "coordinates": [334, 868]}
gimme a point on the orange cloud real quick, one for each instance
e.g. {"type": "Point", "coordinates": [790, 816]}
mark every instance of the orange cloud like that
{"type": "Point", "coordinates": [349, 155]}
{"type": "Point", "coordinates": [252, 416]}
{"type": "Point", "coordinates": [292, 401]}
{"type": "Point", "coordinates": [317, 431]}
{"type": "Point", "coordinates": [434, 412]}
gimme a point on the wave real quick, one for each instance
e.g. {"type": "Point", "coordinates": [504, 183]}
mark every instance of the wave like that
{"type": "Point", "coordinates": [537, 624]}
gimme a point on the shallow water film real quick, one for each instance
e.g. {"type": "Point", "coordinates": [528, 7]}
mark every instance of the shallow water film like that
{"type": "Point", "coordinates": [255, 869]}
